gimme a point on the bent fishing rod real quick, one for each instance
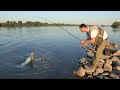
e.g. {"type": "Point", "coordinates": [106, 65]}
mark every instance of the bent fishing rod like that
{"type": "Point", "coordinates": [64, 30]}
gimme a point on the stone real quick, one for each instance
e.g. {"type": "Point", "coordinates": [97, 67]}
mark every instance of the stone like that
{"type": "Point", "coordinates": [101, 60]}
{"type": "Point", "coordinates": [113, 76]}
{"type": "Point", "coordinates": [118, 68]}
{"type": "Point", "coordinates": [116, 45]}
{"type": "Point", "coordinates": [99, 70]}
{"type": "Point", "coordinates": [116, 77]}
{"type": "Point", "coordinates": [81, 72]}
{"type": "Point", "coordinates": [105, 74]}
{"type": "Point", "coordinates": [90, 77]}
{"type": "Point", "coordinates": [114, 72]}
{"type": "Point", "coordinates": [90, 54]}
{"type": "Point", "coordinates": [83, 60]}
{"type": "Point", "coordinates": [105, 57]}
{"type": "Point", "coordinates": [95, 73]}
{"type": "Point", "coordinates": [74, 73]}
{"type": "Point", "coordinates": [114, 59]}
{"type": "Point", "coordinates": [108, 61]}
{"type": "Point", "coordinates": [117, 53]}
{"type": "Point", "coordinates": [90, 70]}
{"type": "Point", "coordinates": [99, 77]}
{"type": "Point", "coordinates": [100, 64]}
{"type": "Point", "coordinates": [107, 67]}
{"type": "Point", "coordinates": [114, 64]}
{"type": "Point", "coordinates": [118, 63]}
{"type": "Point", "coordinates": [107, 78]}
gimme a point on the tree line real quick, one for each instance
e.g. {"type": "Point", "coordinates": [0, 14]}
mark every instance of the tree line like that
{"type": "Point", "coordinates": [116, 24]}
{"type": "Point", "coordinates": [30, 23]}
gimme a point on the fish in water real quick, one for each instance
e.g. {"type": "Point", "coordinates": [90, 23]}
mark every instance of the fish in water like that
{"type": "Point", "coordinates": [29, 59]}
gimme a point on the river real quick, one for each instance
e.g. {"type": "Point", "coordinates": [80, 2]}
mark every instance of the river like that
{"type": "Point", "coordinates": [57, 53]}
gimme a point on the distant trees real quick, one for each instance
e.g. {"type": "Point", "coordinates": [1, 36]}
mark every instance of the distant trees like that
{"type": "Point", "coordinates": [30, 23]}
{"type": "Point", "coordinates": [116, 24]}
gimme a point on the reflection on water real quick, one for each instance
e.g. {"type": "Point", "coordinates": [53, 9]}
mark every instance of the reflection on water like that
{"type": "Point", "coordinates": [56, 52]}
{"type": "Point", "coordinates": [116, 30]}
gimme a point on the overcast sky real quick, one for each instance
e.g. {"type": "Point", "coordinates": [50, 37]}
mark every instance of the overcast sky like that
{"type": "Point", "coordinates": [67, 17]}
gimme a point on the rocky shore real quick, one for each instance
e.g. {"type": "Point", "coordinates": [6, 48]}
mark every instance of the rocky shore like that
{"type": "Point", "coordinates": [108, 67]}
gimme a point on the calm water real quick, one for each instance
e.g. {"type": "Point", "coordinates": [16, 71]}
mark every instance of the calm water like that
{"type": "Point", "coordinates": [59, 51]}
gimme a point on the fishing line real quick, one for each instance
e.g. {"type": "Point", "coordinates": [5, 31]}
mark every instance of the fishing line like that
{"type": "Point", "coordinates": [58, 26]}
{"type": "Point", "coordinates": [62, 29]}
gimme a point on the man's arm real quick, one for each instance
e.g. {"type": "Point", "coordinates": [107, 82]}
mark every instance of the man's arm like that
{"type": "Point", "coordinates": [92, 40]}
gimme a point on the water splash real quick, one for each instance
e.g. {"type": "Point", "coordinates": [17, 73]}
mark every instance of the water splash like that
{"type": "Point", "coordinates": [28, 60]}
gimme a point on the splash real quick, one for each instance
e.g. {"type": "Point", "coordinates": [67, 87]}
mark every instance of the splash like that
{"type": "Point", "coordinates": [29, 60]}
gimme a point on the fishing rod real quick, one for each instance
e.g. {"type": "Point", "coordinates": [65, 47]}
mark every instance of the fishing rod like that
{"type": "Point", "coordinates": [58, 26]}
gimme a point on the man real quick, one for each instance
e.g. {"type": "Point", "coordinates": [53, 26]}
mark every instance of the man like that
{"type": "Point", "coordinates": [92, 38]}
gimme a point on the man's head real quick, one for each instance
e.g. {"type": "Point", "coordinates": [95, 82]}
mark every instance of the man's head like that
{"type": "Point", "coordinates": [83, 28]}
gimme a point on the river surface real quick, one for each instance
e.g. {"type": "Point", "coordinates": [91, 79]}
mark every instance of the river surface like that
{"type": "Point", "coordinates": [57, 53]}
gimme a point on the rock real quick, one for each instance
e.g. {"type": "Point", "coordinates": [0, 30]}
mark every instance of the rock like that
{"type": "Point", "coordinates": [99, 70]}
{"type": "Point", "coordinates": [108, 61]}
{"type": "Point", "coordinates": [118, 68]}
{"type": "Point", "coordinates": [117, 77]}
{"type": "Point", "coordinates": [105, 74]}
{"type": "Point", "coordinates": [107, 67]}
{"type": "Point", "coordinates": [90, 77]}
{"type": "Point", "coordinates": [101, 60]}
{"type": "Point", "coordinates": [100, 64]}
{"type": "Point", "coordinates": [83, 60]}
{"type": "Point", "coordinates": [118, 63]}
{"type": "Point", "coordinates": [113, 76]}
{"type": "Point", "coordinates": [89, 60]}
{"type": "Point", "coordinates": [99, 77]}
{"type": "Point", "coordinates": [117, 53]}
{"type": "Point", "coordinates": [114, 59]}
{"type": "Point", "coordinates": [105, 57]}
{"type": "Point", "coordinates": [114, 72]}
{"type": "Point", "coordinates": [80, 72]}
{"type": "Point", "coordinates": [90, 54]}
{"type": "Point", "coordinates": [107, 78]}
{"type": "Point", "coordinates": [114, 64]}
{"type": "Point", "coordinates": [116, 45]}
{"type": "Point", "coordinates": [95, 73]}
{"type": "Point", "coordinates": [90, 70]}
{"type": "Point", "coordinates": [74, 73]}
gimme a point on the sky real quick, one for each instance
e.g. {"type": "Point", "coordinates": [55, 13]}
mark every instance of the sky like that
{"type": "Point", "coordinates": [67, 17]}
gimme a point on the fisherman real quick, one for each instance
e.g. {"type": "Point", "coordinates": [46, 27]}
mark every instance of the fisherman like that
{"type": "Point", "coordinates": [97, 37]}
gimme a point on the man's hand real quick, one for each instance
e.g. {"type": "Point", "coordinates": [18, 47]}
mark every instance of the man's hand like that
{"type": "Point", "coordinates": [82, 41]}
{"type": "Point", "coordinates": [83, 45]}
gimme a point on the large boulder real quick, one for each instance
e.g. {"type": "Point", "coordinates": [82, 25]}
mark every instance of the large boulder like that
{"type": "Point", "coordinates": [90, 70]}
{"type": "Point", "coordinates": [81, 72]}
{"type": "Point", "coordinates": [99, 70]}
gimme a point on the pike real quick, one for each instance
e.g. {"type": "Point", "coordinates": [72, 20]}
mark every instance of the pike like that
{"type": "Point", "coordinates": [29, 59]}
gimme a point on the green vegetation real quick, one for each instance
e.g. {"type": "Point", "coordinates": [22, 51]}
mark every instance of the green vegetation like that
{"type": "Point", "coordinates": [30, 23]}
{"type": "Point", "coordinates": [116, 25]}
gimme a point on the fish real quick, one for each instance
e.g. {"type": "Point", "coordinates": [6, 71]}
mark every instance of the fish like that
{"type": "Point", "coordinates": [29, 59]}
